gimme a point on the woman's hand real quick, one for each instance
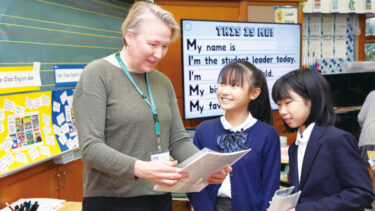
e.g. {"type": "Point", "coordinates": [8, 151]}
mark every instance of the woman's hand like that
{"type": "Point", "coordinates": [218, 176]}
{"type": "Point", "coordinates": [160, 172]}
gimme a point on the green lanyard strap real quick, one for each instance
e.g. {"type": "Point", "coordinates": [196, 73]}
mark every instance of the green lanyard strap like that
{"type": "Point", "coordinates": [144, 97]}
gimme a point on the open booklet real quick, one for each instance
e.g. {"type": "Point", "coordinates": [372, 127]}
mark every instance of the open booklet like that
{"type": "Point", "coordinates": [284, 200]}
{"type": "Point", "coordinates": [199, 166]}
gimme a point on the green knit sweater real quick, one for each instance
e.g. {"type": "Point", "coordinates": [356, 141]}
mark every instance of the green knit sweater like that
{"type": "Point", "coordinates": [116, 127]}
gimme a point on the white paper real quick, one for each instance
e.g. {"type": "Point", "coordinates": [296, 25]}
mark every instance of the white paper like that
{"type": "Point", "coordinates": [56, 107]}
{"type": "Point", "coordinates": [315, 48]}
{"type": "Point", "coordinates": [315, 36]}
{"type": "Point", "coordinates": [56, 129]}
{"type": "Point", "coordinates": [46, 118]}
{"type": "Point", "coordinates": [63, 139]}
{"type": "Point", "coordinates": [65, 128]}
{"type": "Point", "coordinates": [46, 100]}
{"type": "Point", "coordinates": [44, 150]}
{"type": "Point", "coordinates": [6, 161]}
{"type": "Point", "coordinates": [19, 110]}
{"type": "Point", "coordinates": [327, 37]}
{"type": "Point", "coordinates": [315, 25]}
{"type": "Point", "coordinates": [36, 72]}
{"type": "Point", "coordinates": [341, 23]}
{"type": "Point", "coordinates": [339, 6]}
{"type": "Point", "coordinates": [340, 48]}
{"type": "Point", "coordinates": [33, 153]}
{"type": "Point", "coordinates": [37, 102]}
{"type": "Point", "coordinates": [340, 36]}
{"type": "Point", "coordinates": [305, 37]}
{"type": "Point", "coordinates": [28, 103]}
{"type": "Point", "coordinates": [328, 23]}
{"type": "Point", "coordinates": [70, 100]}
{"type": "Point", "coordinates": [75, 142]}
{"type": "Point", "coordinates": [63, 97]}
{"type": "Point", "coordinates": [9, 105]}
{"type": "Point", "coordinates": [308, 8]}
{"type": "Point", "coordinates": [68, 113]}
{"type": "Point", "coordinates": [60, 118]}
{"type": "Point", "coordinates": [46, 129]}
{"type": "Point", "coordinates": [21, 157]}
{"type": "Point", "coordinates": [70, 144]}
{"type": "Point", "coordinates": [2, 114]}
{"type": "Point", "coordinates": [325, 6]}
{"type": "Point", "coordinates": [327, 48]}
{"type": "Point", "coordinates": [2, 129]}
{"type": "Point", "coordinates": [50, 140]}
{"type": "Point", "coordinates": [284, 200]}
{"type": "Point", "coordinates": [7, 144]}
{"type": "Point", "coordinates": [200, 166]}
{"type": "Point", "coordinates": [11, 125]}
{"type": "Point", "coordinates": [359, 6]}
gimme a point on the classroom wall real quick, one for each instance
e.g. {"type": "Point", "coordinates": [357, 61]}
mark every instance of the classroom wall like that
{"type": "Point", "coordinates": [254, 11]}
{"type": "Point", "coordinates": [59, 32]}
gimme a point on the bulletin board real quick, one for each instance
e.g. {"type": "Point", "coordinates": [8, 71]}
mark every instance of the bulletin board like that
{"type": "Point", "coordinates": [328, 41]}
{"type": "Point", "coordinates": [64, 125]}
{"type": "Point", "coordinates": [26, 134]}
{"type": "Point", "coordinates": [53, 34]}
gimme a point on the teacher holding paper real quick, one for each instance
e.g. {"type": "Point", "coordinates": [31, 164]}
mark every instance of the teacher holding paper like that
{"type": "Point", "coordinates": [128, 119]}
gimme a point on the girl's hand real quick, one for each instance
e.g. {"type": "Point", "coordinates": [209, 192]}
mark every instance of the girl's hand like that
{"type": "Point", "coordinates": [292, 209]}
{"type": "Point", "coordinates": [218, 176]}
{"type": "Point", "coordinates": [160, 172]}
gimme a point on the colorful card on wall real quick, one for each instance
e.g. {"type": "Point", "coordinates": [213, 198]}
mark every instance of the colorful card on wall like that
{"type": "Point", "coordinates": [25, 137]}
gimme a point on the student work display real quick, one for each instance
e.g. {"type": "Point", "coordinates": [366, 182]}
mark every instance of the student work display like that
{"type": "Point", "coordinates": [35, 127]}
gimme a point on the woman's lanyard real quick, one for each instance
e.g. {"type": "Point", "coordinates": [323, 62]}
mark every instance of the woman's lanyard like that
{"type": "Point", "coordinates": [144, 97]}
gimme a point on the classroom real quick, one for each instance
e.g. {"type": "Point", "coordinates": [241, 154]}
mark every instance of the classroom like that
{"type": "Point", "coordinates": [62, 63]}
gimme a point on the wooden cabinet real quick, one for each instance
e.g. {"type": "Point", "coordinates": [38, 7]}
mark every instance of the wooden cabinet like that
{"type": "Point", "coordinates": [71, 181]}
{"type": "Point", "coordinates": [46, 180]}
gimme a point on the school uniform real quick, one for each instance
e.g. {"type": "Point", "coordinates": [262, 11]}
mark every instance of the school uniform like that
{"type": "Point", "coordinates": [254, 178]}
{"type": "Point", "coordinates": [332, 175]}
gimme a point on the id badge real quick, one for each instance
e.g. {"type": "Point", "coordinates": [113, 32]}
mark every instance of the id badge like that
{"type": "Point", "coordinates": [160, 156]}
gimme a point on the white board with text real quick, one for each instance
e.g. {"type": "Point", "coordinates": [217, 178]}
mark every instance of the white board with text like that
{"type": "Point", "coordinates": [209, 45]}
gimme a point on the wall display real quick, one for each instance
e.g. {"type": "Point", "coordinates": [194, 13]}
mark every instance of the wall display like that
{"type": "Point", "coordinates": [26, 134]}
{"type": "Point", "coordinates": [76, 34]}
{"type": "Point", "coordinates": [330, 41]}
{"type": "Point", "coordinates": [209, 45]}
{"type": "Point", "coordinates": [64, 125]}
{"type": "Point", "coordinates": [339, 6]}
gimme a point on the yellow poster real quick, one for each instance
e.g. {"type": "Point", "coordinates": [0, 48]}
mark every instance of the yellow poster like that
{"type": "Point", "coordinates": [26, 134]}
